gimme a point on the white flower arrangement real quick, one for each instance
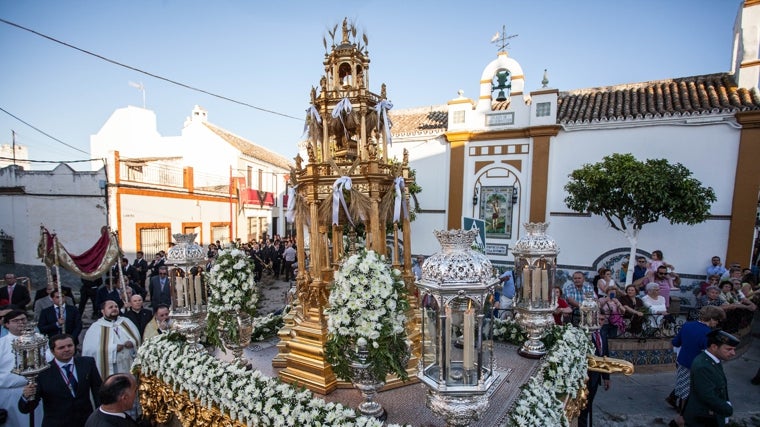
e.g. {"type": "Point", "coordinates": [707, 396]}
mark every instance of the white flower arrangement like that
{"type": "Point", "coordinates": [232, 290]}
{"type": "Point", "coordinates": [247, 396]}
{"type": "Point", "coordinates": [562, 373]}
{"type": "Point", "coordinates": [367, 307]}
{"type": "Point", "coordinates": [266, 326]}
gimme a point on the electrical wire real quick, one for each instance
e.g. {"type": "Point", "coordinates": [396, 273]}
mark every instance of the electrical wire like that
{"type": "Point", "coordinates": [42, 132]}
{"type": "Point", "coordinates": [156, 76]}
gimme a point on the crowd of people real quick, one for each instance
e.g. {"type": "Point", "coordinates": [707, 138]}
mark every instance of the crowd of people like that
{"type": "Point", "coordinates": [96, 371]}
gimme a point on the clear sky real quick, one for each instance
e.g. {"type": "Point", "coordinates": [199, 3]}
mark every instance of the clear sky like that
{"type": "Point", "coordinates": [269, 54]}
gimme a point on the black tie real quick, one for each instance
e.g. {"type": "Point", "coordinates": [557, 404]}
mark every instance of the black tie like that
{"type": "Point", "coordinates": [70, 377]}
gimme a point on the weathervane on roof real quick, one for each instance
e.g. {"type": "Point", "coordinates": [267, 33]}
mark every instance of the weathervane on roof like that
{"type": "Point", "coordinates": [500, 38]}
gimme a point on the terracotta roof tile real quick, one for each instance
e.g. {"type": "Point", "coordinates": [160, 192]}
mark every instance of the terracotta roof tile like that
{"type": "Point", "coordinates": [429, 120]}
{"type": "Point", "coordinates": [686, 96]}
{"type": "Point", "coordinates": [251, 149]}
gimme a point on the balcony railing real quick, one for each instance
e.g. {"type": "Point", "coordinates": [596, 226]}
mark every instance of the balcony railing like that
{"type": "Point", "coordinates": [152, 174]}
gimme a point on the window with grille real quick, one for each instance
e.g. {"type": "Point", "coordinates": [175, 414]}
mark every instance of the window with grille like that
{"type": "Point", "coordinates": [543, 109]}
{"type": "Point", "coordinates": [153, 239]}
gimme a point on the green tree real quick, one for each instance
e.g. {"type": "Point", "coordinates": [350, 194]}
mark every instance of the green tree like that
{"type": "Point", "coordinates": [630, 193]}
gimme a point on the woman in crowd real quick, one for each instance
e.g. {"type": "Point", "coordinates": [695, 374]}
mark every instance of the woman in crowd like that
{"type": "Point", "coordinates": [655, 303]}
{"type": "Point", "coordinates": [713, 280]}
{"type": "Point", "coordinates": [613, 311]}
{"type": "Point", "coordinates": [632, 309]}
{"type": "Point", "coordinates": [606, 283]}
{"type": "Point", "coordinates": [711, 297]}
{"type": "Point", "coordinates": [563, 308]}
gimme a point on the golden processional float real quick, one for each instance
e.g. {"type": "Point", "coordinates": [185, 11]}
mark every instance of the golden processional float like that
{"type": "Point", "coordinates": [347, 191]}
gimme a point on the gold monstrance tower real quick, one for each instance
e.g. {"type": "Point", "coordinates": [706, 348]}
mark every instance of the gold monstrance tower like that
{"type": "Point", "coordinates": [348, 190]}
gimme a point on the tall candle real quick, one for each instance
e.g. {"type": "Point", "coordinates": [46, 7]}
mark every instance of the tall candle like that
{"type": "Point", "coordinates": [448, 333]}
{"type": "Point", "coordinates": [190, 292]}
{"type": "Point", "coordinates": [525, 284]}
{"type": "Point", "coordinates": [197, 286]}
{"type": "Point", "coordinates": [469, 343]}
{"type": "Point", "coordinates": [536, 289]}
{"type": "Point", "coordinates": [545, 282]}
{"type": "Point", "coordinates": [180, 292]}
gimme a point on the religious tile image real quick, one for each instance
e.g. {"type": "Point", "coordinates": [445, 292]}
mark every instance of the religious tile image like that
{"type": "Point", "coordinates": [496, 210]}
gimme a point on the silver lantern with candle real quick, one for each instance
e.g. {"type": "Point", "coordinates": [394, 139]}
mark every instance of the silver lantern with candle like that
{"type": "Point", "coordinates": [189, 292]}
{"type": "Point", "coordinates": [457, 363]}
{"type": "Point", "coordinates": [29, 353]}
{"type": "Point", "coordinates": [535, 267]}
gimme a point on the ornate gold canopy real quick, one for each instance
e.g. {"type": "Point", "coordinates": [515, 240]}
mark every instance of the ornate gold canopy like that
{"type": "Point", "coordinates": [348, 190]}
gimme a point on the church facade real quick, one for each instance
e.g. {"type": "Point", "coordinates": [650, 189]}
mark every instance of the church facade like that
{"type": "Point", "coordinates": [507, 155]}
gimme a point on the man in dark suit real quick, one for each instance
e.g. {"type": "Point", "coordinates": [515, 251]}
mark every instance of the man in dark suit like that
{"type": "Point", "coordinates": [117, 395]}
{"type": "Point", "coordinates": [137, 314]}
{"type": "Point", "coordinates": [141, 268]}
{"type": "Point", "coordinates": [52, 320]}
{"type": "Point", "coordinates": [45, 292]}
{"type": "Point", "coordinates": [595, 379]}
{"type": "Point", "coordinates": [160, 292]}
{"type": "Point", "coordinates": [16, 294]}
{"type": "Point", "coordinates": [708, 403]}
{"type": "Point", "coordinates": [64, 387]}
{"type": "Point", "coordinates": [89, 291]}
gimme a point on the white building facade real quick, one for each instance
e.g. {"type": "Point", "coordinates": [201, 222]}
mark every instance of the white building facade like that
{"type": "Point", "coordinates": [505, 157]}
{"type": "Point", "coordinates": [70, 203]}
{"type": "Point", "coordinates": [206, 181]}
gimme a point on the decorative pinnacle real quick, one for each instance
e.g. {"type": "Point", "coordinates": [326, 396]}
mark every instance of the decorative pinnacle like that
{"type": "Point", "coordinates": [500, 39]}
{"type": "Point", "coordinates": [545, 81]}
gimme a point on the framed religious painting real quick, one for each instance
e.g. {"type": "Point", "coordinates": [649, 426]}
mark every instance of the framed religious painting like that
{"type": "Point", "coordinates": [496, 209]}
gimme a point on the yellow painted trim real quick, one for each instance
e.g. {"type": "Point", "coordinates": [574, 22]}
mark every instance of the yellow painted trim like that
{"type": "Point", "coordinates": [456, 179]}
{"type": "Point", "coordinates": [748, 64]}
{"type": "Point", "coordinates": [179, 196]}
{"type": "Point", "coordinates": [539, 180]}
{"type": "Point", "coordinates": [518, 77]}
{"type": "Point", "coordinates": [481, 165]}
{"type": "Point", "coordinates": [544, 92]}
{"type": "Point", "coordinates": [517, 163]}
{"type": "Point", "coordinates": [749, 3]}
{"type": "Point", "coordinates": [746, 184]}
{"type": "Point", "coordinates": [484, 81]}
{"type": "Point", "coordinates": [227, 224]}
{"type": "Point", "coordinates": [461, 101]}
{"type": "Point", "coordinates": [485, 97]}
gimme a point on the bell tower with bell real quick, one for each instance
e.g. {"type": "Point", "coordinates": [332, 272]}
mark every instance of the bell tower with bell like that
{"type": "Point", "coordinates": [347, 194]}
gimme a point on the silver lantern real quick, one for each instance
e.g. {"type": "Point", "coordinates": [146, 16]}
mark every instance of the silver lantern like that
{"type": "Point", "coordinates": [535, 267]}
{"type": "Point", "coordinates": [457, 363]}
{"type": "Point", "coordinates": [29, 352]}
{"type": "Point", "coordinates": [189, 290]}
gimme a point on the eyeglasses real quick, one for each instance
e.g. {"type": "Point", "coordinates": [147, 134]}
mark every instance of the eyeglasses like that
{"type": "Point", "coordinates": [17, 321]}
{"type": "Point", "coordinates": [642, 261]}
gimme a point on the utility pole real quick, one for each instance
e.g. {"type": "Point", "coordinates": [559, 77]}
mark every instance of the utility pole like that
{"type": "Point", "coordinates": [13, 142]}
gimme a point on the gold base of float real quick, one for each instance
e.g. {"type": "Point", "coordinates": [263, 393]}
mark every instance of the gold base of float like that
{"type": "Point", "coordinates": [163, 405]}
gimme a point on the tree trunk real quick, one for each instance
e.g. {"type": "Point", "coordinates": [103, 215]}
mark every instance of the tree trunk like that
{"type": "Point", "coordinates": [633, 239]}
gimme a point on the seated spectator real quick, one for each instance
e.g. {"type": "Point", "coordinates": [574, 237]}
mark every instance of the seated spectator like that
{"type": "Point", "coordinates": [612, 310]}
{"type": "Point", "coordinates": [666, 281]}
{"type": "Point", "coordinates": [715, 268]}
{"type": "Point", "coordinates": [606, 283]}
{"type": "Point", "coordinates": [640, 269]}
{"type": "Point", "coordinates": [563, 309]}
{"type": "Point", "coordinates": [655, 303]}
{"type": "Point", "coordinates": [633, 308]}
{"type": "Point", "coordinates": [711, 297]}
{"type": "Point", "coordinates": [749, 286]}
{"type": "Point", "coordinates": [712, 280]}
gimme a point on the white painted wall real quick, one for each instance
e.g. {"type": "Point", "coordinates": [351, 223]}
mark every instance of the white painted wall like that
{"type": "Point", "coordinates": [67, 202]}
